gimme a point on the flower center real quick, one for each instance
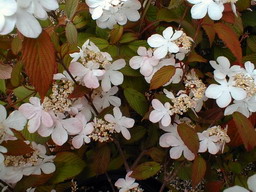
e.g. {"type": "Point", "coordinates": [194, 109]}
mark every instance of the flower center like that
{"type": "Point", "coordinates": [182, 103]}
{"type": "Point", "coordinates": [58, 101]}
{"type": "Point", "coordinates": [246, 83]}
{"type": "Point", "coordinates": [184, 42]}
{"type": "Point", "coordinates": [103, 131]}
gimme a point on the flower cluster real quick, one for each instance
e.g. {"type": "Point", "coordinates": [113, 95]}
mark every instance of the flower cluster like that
{"type": "Point", "coordinates": [234, 82]}
{"type": "Point", "coordinates": [23, 14]}
{"type": "Point", "coordinates": [107, 13]}
{"type": "Point", "coordinates": [128, 184]}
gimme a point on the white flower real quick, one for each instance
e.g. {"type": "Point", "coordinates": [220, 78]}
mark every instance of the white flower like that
{"type": "Point", "coordinates": [172, 139]}
{"type": "Point", "coordinates": [88, 75]}
{"type": "Point", "coordinates": [145, 61]}
{"type": "Point", "coordinates": [15, 121]}
{"type": "Point", "coordinates": [62, 76]}
{"type": "Point", "coordinates": [107, 13]}
{"type": "Point", "coordinates": [224, 92]}
{"type": "Point", "coordinates": [223, 69]}
{"type": "Point", "coordinates": [121, 122]}
{"type": "Point", "coordinates": [126, 184]}
{"type": "Point", "coordinates": [7, 18]}
{"type": "Point", "coordinates": [246, 107]}
{"type": "Point", "coordinates": [27, 10]}
{"type": "Point", "coordinates": [161, 113]}
{"type": "Point", "coordinates": [36, 115]}
{"type": "Point", "coordinates": [250, 70]}
{"type": "Point", "coordinates": [213, 139]}
{"type": "Point", "coordinates": [202, 7]}
{"type": "Point", "coordinates": [112, 75]}
{"type": "Point", "coordinates": [102, 100]}
{"type": "Point", "coordinates": [82, 137]}
{"type": "Point", "coordinates": [61, 128]}
{"type": "Point", "coordinates": [251, 182]}
{"type": "Point", "coordinates": [164, 44]}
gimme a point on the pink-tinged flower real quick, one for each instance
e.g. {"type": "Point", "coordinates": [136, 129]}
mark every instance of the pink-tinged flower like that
{"type": "Point", "coordinates": [224, 92]}
{"type": "Point", "coordinates": [251, 182]}
{"type": "Point", "coordinates": [5, 71]}
{"type": "Point", "coordinates": [213, 140]}
{"type": "Point", "coordinates": [164, 44]}
{"type": "Point", "coordinates": [35, 114]}
{"type": "Point", "coordinates": [87, 75]}
{"type": "Point", "coordinates": [126, 184]}
{"type": "Point", "coordinates": [161, 113]}
{"type": "Point", "coordinates": [82, 137]}
{"type": "Point", "coordinates": [121, 123]}
{"type": "Point", "coordinates": [173, 140]}
{"type": "Point", "coordinates": [112, 75]}
{"type": "Point", "coordinates": [2, 150]}
{"type": "Point", "coordinates": [61, 128]}
{"type": "Point", "coordinates": [145, 61]}
{"type": "Point", "coordinates": [102, 100]}
{"type": "Point", "coordinates": [15, 121]}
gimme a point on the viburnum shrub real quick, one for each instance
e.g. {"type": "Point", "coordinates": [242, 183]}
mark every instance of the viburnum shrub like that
{"type": "Point", "coordinates": [149, 89]}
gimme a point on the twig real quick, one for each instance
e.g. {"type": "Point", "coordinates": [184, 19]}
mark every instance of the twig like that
{"type": "Point", "coordinates": [144, 13]}
{"type": "Point", "coordinates": [122, 155]}
{"type": "Point", "coordinates": [110, 182]}
{"type": "Point", "coordinates": [138, 159]}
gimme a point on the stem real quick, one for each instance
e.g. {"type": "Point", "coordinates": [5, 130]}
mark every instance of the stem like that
{"type": "Point", "coordinates": [136, 162]}
{"type": "Point", "coordinates": [110, 182]}
{"type": "Point", "coordinates": [183, 16]}
{"type": "Point", "coordinates": [19, 101]}
{"type": "Point", "coordinates": [88, 99]}
{"type": "Point", "coordinates": [122, 154]}
{"type": "Point", "coordinates": [144, 13]}
{"type": "Point", "coordinates": [150, 25]}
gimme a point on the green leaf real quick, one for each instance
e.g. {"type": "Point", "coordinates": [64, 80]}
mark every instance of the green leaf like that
{"type": "Point", "coordinates": [175, 4]}
{"type": "Point", "coordinates": [68, 165]}
{"type": "Point", "coordinates": [128, 71]}
{"type": "Point", "coordinates": [162, 76]}
{"type": "Point", "coordinates": [71, 33]}
{"type": "Point", "coordinates": [34, 137]}
{"type": "Point", "coordinates": [70, 8]}
{"type": "Point", "coordinates": [251, 58]}
{"type": "Point", "coordinates": [101, 43]}
{"type": "Point", "coordinates": [136, 134]}
{"type": "Point", "coordinates": [128, 37]}
{"type": "Point", "coordinates": [157, 154]}
{"type": "Point", "coordinates": [16, 45]}
{"type": "Point", "coordinates": [249, 18]}
{"type": "Point", "coordinates": [22, 92]}
{"type": "Point", "coordinates": [189, 137]}
{"type": "Point", "coordinates": [136, 100]}
{"type": "Point", "coordinates": [134, 45]}
{"type": "Point", "coordinates": [2, 86]}
{"type": "Point", "coordinates": [251, 42]}
{"type": "Point", "coordinates": [198, 170]}
{"type": "Point", "coordinates": [115, 163]}
{"type": "Point", "coordinates": [146, 170]}
{"type": "Point", "coordinates": [16, 74]}
{"type": "Point", "coordinates": [235, 167]}
{"type": "Point", "coordinates": [245, 130]}
{"type": "Point", "coordinates": [116, 34]}
{"type": "Point", "coordinates": [242, 5]}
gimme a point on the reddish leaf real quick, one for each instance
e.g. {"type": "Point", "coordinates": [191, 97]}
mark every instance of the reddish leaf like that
{"type": "Point", "coordinates": [194, 57]}
{"type": "Point", "coordinates": [162, 76]}
{"type": "Point", "coordinates": [208, 28]}
{"type": "Point", "coordinates": [156, 154]}
{"type": "Point", "coordinates": [228, 17]}
{"type": "Point", "coordinates": [229, 37]}
{"type": "Point", "coordinates": [79, 91]}
{"type": "Point", "coordinates": [214, 186]}
{"type": "Point", "coordinates": [189, 137]}
{"type": "Point", "coordinates": [101, 159]}
{"type": "Point", "coordinates": [116, 34]}
{"type": "Point", "coordinates": [234, 135]}
{"type": "Point", "coordinates": [245, 130]}
{"type": "Point", "coordinates": [146, 170]}
{"type": "Point", "coordinates": [39, 61]}
{"type": "Point", "coordinates": [198, 170]}
{"type": "Point", "coordinates": [17, 147]}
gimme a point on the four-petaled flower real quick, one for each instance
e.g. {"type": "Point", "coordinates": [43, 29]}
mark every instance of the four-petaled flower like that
{"type": "Point", "coordinates": [121, 123]}
{"type": "Point", "coordinates": [126, 184]}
